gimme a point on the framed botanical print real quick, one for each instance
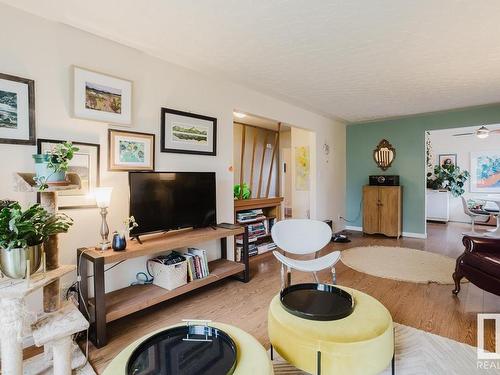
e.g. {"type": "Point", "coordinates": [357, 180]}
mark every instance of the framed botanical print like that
{"type": "Point", "coordinates": [130, 151]}
{"type": "Point", "coordinates": [101, 97]}
{"type": "Point", "coordinates": [17, 110]}
{"type": "Point", "coordinates": [188, 133]}
{"type": "Point", "coordinates": [447, 159]}
{"type": "Point", "coordinates": [485, 172]}
{"type": "Point", "coordinates": [86, 163]}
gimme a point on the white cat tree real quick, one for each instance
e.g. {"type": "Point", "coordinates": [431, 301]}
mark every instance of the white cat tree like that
{"type": "Point", "coordinates": [55, 328]}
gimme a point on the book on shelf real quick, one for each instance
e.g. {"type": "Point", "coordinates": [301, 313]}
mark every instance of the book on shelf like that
{"type": "Point", "coordinates": [265, 247]}
{"type": "Point", "coordinates": [249, 216]}
{"type": "Point", "coordinates": [197, 264]}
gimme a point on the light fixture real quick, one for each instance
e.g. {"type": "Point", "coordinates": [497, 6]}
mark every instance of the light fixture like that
{"type": "Point", "coordinates": [239, 115]}
{"type": "Point", "coordinates": [103, 198]}
{"type": "Point", "coordinates": [482, 132]}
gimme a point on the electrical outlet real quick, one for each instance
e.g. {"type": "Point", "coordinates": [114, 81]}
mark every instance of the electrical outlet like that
{"type": "Point", "coordinates": [339, 218]}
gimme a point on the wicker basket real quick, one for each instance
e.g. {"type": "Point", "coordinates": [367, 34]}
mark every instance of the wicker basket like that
{"type": "Point", "coordinates": [168, 276]}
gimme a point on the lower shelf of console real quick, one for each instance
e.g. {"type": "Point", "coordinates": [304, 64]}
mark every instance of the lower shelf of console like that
{"type": "Point", "coordinates": [123, 302]}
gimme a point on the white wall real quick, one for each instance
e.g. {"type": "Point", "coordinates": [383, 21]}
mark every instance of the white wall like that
{"type": "Point", "coordinates": [443, 142]}
{"type": "Point", "coordinates": [42, 50]}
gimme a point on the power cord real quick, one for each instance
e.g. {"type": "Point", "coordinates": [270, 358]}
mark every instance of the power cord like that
{"type": "Point", "coordinates": [357, 216]}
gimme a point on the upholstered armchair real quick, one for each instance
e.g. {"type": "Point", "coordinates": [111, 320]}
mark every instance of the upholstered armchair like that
{"type": "Point", "coordinates": [480, 264]}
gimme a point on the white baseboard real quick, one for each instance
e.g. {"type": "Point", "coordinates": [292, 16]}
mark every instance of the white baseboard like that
{"type": "Point", "coordinates": [404, 234]}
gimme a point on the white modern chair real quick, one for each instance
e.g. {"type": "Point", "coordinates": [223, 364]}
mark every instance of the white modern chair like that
{"type": "Point", "coordinates": [482, 218]}
{"type": "Point", "coordinates": [301, 237]}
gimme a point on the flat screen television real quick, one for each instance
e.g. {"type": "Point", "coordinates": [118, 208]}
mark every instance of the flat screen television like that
{"type": "Point", "coordinates": [162, 201]}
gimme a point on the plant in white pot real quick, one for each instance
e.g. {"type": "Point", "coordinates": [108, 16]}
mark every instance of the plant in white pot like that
{"type": "Point", "coordinates": [51, 167]}
{"type": "Point", "coordinates": [22, 234]}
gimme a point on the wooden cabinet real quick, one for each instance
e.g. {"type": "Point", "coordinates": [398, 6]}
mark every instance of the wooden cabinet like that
{"type": "Point", "coordinates": [382, 210]}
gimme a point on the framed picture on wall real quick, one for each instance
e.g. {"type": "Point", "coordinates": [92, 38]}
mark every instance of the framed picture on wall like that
{"type": "Point", "coordinates": [188, 133]}
{"type": "Point", "coordinates": [17, 110]}
{"type": "Point", "coordinates": [86, 163]}
{"type": "Point", "coordinates": [485, 172]}
{"type": "Point", "coordinates": [101, 97]}
{"type": "Point", "coordinates": [130, 151]}
{"type": "Point", "coordinates": [447, 159]}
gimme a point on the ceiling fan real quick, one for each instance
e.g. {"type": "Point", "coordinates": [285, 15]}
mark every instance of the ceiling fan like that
{"type": "Point", "coordinates": [482, 132]}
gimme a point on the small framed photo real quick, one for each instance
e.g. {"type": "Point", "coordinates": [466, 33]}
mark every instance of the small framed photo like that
{"type": "Point", "coordinates": [447, 159]}
{"type": "Point", "coordinates": [86, 163]}
{"type": "Point", "coordinates": [101, 97]}
{"type": "Point", "coordinates": [130, 151]}
{"type": "Point", "coordinates": [17, 110]}
{"type": "Point", "coordinates": [188, 133]}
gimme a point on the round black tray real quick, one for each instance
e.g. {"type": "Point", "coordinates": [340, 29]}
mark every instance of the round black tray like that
{"type": "Point", "coordinates": [185, 350]}
{"type": "Point", "coordinates": [317, 301]}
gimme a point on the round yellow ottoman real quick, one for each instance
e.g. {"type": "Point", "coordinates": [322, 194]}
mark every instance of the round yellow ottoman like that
{"type": "Point", "coordinates": [252, 357]}
{"type": "Point", "coordinates": [360, 344]}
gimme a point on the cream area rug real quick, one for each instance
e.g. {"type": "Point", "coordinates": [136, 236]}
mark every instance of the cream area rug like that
{"type": "Point", "coordinates": [418, 353]}
{"type": "Point", "coordinates": [400, 263]}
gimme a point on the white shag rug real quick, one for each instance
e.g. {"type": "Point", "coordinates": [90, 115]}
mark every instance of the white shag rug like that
{"type": "Point", "coordinates": [418, 353]}
{"type": "Point", "coordinates": [401, 263]}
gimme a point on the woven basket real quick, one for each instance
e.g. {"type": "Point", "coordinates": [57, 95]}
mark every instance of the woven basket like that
{"type": "Point", "coordinates": [168, 276]}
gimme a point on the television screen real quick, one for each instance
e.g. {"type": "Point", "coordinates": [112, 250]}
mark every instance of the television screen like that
{"type": "Point", "coordinates": [161, 201]}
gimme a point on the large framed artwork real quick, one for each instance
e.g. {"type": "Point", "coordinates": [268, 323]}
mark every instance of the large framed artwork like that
{"type": "Point", "coordinates": [447, 159]}
{"type": "Point", "coordinates": [86, 163]}
{"type": "Point", "coordinates": [130, 151]}
{"type": "Point", "coordinates": [101, 97]}
{"type": "Point", "coordinates": [188, 133]}
{"type": "Point", "coordinates": [17, 110]}
{"type": "Point", "coordinates": [302, 168]}
{"type": "Point", "coordinates": [485, 172]}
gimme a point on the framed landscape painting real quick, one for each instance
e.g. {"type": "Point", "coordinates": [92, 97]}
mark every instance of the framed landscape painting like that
{"type": "Point", "coordinates": [86, 163]}
{"type": "Point", "coordinates": [447, 159]}
{"type": "Point", "coordinates": [485, 172]}
{"type": "Point", "coordinates": [17, 110]}
{"type": "Point", "coordinates": [101, 97]}
{"type": "Point", "coordinates": [188, 133]}
{"type": "Point", "coordinates": [130, 151]}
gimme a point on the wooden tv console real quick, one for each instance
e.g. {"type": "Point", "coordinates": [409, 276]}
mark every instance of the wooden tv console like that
{"type": "Point", "coordinates": [107, 307]}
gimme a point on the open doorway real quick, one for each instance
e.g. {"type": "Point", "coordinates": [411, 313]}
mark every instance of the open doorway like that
{"type": "Point", "coordinates": [463, 177]}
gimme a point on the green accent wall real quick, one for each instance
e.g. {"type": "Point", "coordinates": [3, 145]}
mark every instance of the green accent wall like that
{"type": "Point", "coordinates": [407, 135]}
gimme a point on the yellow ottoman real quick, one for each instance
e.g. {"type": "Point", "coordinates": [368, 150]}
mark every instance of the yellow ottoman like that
{"type": "Point", "coordinates": [252, 357]}
{"type": "Point", "coordinates": [360, 344]}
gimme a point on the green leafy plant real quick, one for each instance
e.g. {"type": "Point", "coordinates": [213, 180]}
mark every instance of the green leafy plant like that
{"type": "Point", "coordinates": [57, 161]}
{"type": "Point", "coordinates": [30, 227]}
{"type": "Point", "coordinates": [242, 191]}
{"type": "Point", "coordinates": [448, 177]}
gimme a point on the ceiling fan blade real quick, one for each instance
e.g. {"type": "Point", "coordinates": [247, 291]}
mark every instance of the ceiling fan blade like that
{"type": "Point", "coordinates": [496, 131]}
{"type": "Point", "coordinates": [462, 134]}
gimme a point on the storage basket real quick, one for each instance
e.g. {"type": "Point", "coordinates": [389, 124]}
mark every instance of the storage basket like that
{"type": "Point", "coordinates": [168, 276]}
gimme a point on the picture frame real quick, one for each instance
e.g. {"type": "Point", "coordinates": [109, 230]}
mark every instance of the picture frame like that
{"type": "Point", "coordinates": [188, 133]}
{"type": "Point", "coordinates": [485, 172]}
{"type": "Point", "coordinates": [130, 151]}
{"type": "Point", "coordinates": [17, 110]}
{"type": "Point", "coordinates": [86, 163]}
{"type": "Point", "coordinates": [101, 97]}
{"type": "Point", "coordinates": [445, 159]}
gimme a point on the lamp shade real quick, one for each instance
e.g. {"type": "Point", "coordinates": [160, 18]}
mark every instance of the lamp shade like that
{"type": "Point", "coordinates": [103, 196]}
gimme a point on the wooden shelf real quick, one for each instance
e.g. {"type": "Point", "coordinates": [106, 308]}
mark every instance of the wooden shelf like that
{"type": "Point", "coordinates": [251, 204]}
{"type": "Point", "coordinates": [122, 302]}
{"type": "Point", "coordinates": [161, 243]}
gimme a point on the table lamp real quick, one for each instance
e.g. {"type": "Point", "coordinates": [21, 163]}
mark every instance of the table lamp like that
{"type": "Point", "coordinates": [103, 198]}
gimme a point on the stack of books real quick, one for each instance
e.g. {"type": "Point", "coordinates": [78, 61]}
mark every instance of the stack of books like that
{"type": "Point", "coordinates": [250, 216]}
{"type": "Point", "coordinates": [265, 247]}
{"type": "Point", "coordinates": [252, 250]}
{"type": "Point", "coordinates": [197, 263]}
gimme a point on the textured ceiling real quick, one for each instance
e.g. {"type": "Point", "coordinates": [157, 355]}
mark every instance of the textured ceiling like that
{"type": "Point", "coordinates": [353, 59]}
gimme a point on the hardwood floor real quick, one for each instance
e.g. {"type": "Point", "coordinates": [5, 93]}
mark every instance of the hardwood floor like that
{"type": "Point", "coordinates": [429, 307]}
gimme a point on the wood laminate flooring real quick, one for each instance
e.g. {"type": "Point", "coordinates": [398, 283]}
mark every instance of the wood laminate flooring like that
{"type": "Point", "coordinates": [430, 307]}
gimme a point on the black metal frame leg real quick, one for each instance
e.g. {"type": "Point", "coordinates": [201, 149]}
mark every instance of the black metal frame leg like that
{"type": "Point", "coordinates": [99, 325]}
{"type": "Point", "coordinates": [272, 353]}
{"type": "Point", "coordinates": [318, 364]}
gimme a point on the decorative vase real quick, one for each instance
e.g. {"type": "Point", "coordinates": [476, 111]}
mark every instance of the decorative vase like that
{"type": "Point", "coordinates": [119, 242]}
{"type": "Point", "coordinates": [46, 173]}
{"type": "Point", "coordinates": [13, 262]}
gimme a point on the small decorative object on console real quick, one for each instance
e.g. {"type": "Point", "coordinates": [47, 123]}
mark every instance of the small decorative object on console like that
{"type": "Point", "coordinates": [380, 180]}
{"type": "Point", "coordinates": [103, 199]}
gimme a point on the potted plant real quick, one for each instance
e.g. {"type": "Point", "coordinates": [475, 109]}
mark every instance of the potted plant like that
{"type": "Point", "coordinates": [241, 191]}
{"type": "Point", "coordinates": [51, 167]}
{"type": "Point", "coordinates": [120, 238]}
{"type": "Point", "coordinates": [448, 177]}
{"type": "Point", "coordinates": [22, 234]}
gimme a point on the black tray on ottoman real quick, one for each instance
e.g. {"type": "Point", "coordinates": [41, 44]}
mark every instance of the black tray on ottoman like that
{"type": "Point", "coordinates": [185, 350]}
{"type": "Point", "coordinates": [317, 301]}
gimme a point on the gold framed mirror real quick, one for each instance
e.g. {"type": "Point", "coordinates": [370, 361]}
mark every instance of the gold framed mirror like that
{"type": "Point", "coordinates": [384, 154]}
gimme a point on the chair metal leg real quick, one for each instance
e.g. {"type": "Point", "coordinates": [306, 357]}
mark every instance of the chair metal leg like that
{"type": "Point", "coordinates": [272, 353]}
{"type": "Point", "coordinates": [316, 277]}
{"type": "Point", "coordinates": [288, 276]}
{"type": "Point", "coordinates": [334, 276]}
{"type": "Point", "coordinates": [318, 365]}
{"type": "Point", "coordinates": [473, 224]}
